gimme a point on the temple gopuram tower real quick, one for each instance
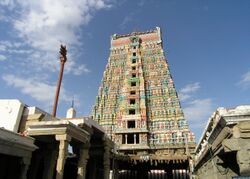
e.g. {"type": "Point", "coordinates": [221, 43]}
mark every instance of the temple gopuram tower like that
{"type": "Point", "coordinates": [137, 103]}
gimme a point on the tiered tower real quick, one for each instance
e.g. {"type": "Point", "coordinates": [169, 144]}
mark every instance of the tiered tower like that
{"type": "Point", "coordinates": [137, 103]}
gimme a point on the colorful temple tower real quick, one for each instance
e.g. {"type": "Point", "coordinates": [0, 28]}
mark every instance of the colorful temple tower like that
{"type": "Point", "coordinates": [137, 103]}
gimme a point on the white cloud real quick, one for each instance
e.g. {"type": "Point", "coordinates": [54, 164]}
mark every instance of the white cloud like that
{"type": "Point", "coordinates": [141, 3]}
{"type": "Point", "coordinates": [188, 91]}
{"type": "Point", "coordinates": [77, 69]}
{"type": "Point", "coordinates": [9, 3]}
{"type": "Point", "coordinates": [44, 25]}
{"type": "Point", "coordinates": [198, 110]}
{"type": "Point", "coordinates": [40, 91]}
{"type": "Point", "coordinates": [129, 18]}
{"type": "Point", "coordinates": [11, 44]}
{"type": "Point", "coordinates": [2, 47]}
{"type": "Point", "coordinates": [13, 47]}
{"type": "Point", "coordinates": [19, 51]}
{"type": "Point", "coordinates": [190, 88]}
{"type": "Point", "coordinates": [245, 80]}
{"type": "Point", "coordinates": [2, 58]}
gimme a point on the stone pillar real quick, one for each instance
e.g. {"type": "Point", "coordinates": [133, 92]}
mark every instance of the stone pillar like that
{"type": "Point", "coordinates": [243, 160]}
{"type": "Point", "coordinates": [242, 147]}
{"type": "Point", "coordinates": [25, 167]}
{"type": "Point", "coordinates": [92, 164]}
{"type": "Point", "coordinates": [115, 170]}
{"type": "Point", "coordinates": [82, 162]}
{"type": "Point", "coordinates": [63, 151]}
{"type": "Point", "coordinates": [106, 157]}
{"type": "Point", "coordinates": [106, 162]}
{"type": "Point", "coordinates": [50, 161]}
{"type": "Point", "coordinates": [126, 139]}
{"type": "Point", "coordinates": [34, 167]}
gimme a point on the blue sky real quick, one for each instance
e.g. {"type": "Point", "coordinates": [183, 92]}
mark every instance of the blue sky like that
{"type": "Point", "coordinates": [207, 44]}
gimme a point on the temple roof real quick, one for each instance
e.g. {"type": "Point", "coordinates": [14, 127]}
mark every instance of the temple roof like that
{"type": "Point", "coordinates": [115, 36]}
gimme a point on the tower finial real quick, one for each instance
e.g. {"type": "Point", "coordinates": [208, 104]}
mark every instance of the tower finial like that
{"type": "Point", "coordinates": [72, 103]}
{"type": "Point", "coordinates": [71, 112]}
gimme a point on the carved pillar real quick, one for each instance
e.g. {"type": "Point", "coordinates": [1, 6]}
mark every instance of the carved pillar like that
{"type": "Point", "coordinates": [25, 167]}
{"type": "Point", "coordinates": [106, 162]}
{"type": "Point", "coordinates": [242, 147]}
{"type": "Point", "coordinates": [115, 170]}
{"type": "Point", "coordinates": [82, 162]}
{"type": "Point", "coordinates": [63, 151]}
{"type": "Point", "coordinates": [243, 160]}
{"type": "Point", "coordinates": [190, 168]}
{"type": "Point", "coordinates": [36, 157]}
{"type": "Point", "coordinates": [50, 161]}
{"type": "Point", "coordinates": [106, 157]}
{"type": "Point", "coordinates": [93, 165]}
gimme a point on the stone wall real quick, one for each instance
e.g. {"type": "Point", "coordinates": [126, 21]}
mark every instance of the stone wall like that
{"type": "Point", "coordinates": [224, 148]}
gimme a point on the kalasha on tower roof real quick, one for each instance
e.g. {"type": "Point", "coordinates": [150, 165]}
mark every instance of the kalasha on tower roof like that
{"type": "Point", "coordinates": [136, 33]}
{"type": "Point", "coordinates": [148, 36]}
